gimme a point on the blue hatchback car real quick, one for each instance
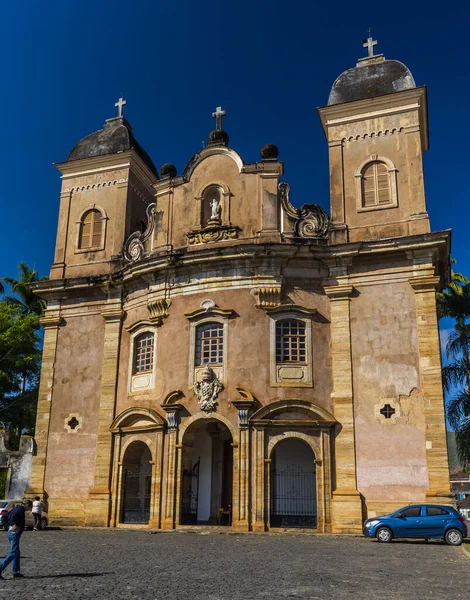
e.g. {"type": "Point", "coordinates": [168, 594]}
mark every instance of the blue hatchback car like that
{"type": "Point", "coordinates": [419, 521]}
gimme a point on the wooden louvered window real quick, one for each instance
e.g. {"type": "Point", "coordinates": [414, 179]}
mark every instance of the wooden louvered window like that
{"type": "Point", "coordinates": [375, 185]}
{"type": "Point", "coordinates": [91, 229]}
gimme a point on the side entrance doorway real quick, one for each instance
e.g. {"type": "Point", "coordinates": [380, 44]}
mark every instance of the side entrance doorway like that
{"type": "Point", "coordinates": [136, 484]}
{"type": "Point", "coordinates": [207, 473]}
{"type": "Point", "coordinates": [293, 485]}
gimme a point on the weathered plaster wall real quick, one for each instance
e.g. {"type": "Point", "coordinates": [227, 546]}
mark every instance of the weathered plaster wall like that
{"type": "Point", "coordinates": [385, 367]}
{"type": "Point", "coordinates": [249, 350]}
{"type": "Point", "coordinates": [71, 456]}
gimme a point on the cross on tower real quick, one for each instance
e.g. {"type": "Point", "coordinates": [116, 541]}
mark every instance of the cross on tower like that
{"type": "Point", "coordinates": [120, 103]}
{"type": "Point", "coordinates": [369, 43]}
{"type": "Point", "coordinates": [217, 115]}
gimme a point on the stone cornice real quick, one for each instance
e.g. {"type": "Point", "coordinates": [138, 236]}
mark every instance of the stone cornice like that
{"type": "Point", "coordinates": [339, 292]}
{"type": "Point", "coordinates": [424, 283]}
{"type": "Point", "coordinates": [50, 321]}
{"type": "Point", "coordinates": [211, 312]}
{"type": "Point", "coordinates": [292, 308]}
{"type": "Point", "coordinates": [108, 162]}
{"type": "Point", "coordinates": [241, 255]}
{"type": "Point", "coordinates": [373, 108]}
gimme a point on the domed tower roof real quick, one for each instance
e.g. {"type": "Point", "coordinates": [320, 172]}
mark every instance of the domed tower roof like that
{"type": "Point", "coordinates": [372, 76]}
{"type": "Point", "coordinates": [116, 136]}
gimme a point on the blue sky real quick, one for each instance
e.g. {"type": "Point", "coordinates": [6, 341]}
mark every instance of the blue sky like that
{"type": "Point", "coordinates": [269, 64]}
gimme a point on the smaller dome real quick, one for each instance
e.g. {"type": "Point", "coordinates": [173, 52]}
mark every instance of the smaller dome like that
{"type": "Point", "coordinates": [269, 152]}
{"type": "Point", "coordinates": [116, 136]}
{"type": "Point", "coordinates": [218, 138]}
{"type": "Point", "coordinates": [372, 77]}
{"type": "Point", "coordinates": [168, 170]}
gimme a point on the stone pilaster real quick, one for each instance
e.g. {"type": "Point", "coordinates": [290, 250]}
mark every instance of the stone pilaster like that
{"type": "Point", "coordinates": [155, 507]}
{"type": "Point", "coordinates": [259, 512]}
{"type": "Point", "coordinates": [51, 322]}
{"type": "Point", "coordinates": [346, 501]}
{"type": "Point", "coordinates": [170, 504]}
{"type": "Point", "coordinates": [240, 512]}
{"type": "Point", "coordinates": [98, 505]}
{"type": "Point", "coordinates": [424, 287]}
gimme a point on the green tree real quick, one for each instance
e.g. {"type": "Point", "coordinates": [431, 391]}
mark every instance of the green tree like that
{"type": "Point", "coordinates": [20, 351]}
{"type": "Point", "coordinates": [20, 357]}
{"type": "Point", "coordinates": [24, 300]}
{"type": "Point", "coordinates": [454, 303]}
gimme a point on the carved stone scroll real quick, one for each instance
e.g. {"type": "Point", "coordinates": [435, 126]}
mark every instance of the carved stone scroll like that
{"type": "Point", "coordinates": [310, 221]}
{"type": "Point", "coordinates": [134, 246]}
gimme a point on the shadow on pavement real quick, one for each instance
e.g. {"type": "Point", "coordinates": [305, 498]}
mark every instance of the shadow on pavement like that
{"type": "Point", "coordinates": [64, 575]}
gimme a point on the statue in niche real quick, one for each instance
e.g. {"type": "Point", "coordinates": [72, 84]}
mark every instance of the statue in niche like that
{"type": "Point", "coordinates": [214, 219]}
{"type": "Point", "coordinates": [214, 208]}
{"type": "Point", "coordinates": [208, 389]}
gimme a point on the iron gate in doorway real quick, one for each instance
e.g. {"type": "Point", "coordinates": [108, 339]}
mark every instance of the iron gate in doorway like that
{"type": "Point", "coordinates": [293, 497]}
{"type": "Point", "coordinates": [136, 497]}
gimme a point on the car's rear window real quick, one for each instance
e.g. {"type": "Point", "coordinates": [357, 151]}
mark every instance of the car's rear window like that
{"type": "Point", "coordinates": [3, 504]}
{"type": "Point", "coordinates": [434, 511]}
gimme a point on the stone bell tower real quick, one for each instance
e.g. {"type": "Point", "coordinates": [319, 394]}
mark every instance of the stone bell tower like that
{"type": "Point", "coordinates": [107, 184]}
{"type": "Point", "coordinates": [377, 131]}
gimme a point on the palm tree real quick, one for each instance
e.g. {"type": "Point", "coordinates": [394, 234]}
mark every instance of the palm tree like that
{"type": "Point", "coordinates": [454, 302]}
{"type": "Point", "coordinates": [25, 301]}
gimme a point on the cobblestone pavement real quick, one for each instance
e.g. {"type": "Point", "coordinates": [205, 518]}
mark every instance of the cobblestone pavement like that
{"type": "Point", "coordinates": [123, 564]}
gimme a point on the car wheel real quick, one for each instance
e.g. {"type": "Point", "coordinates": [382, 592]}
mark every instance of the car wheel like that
{"type": "Point", "coordinates": [43, 523]}
{"type": "Point", "coordinates": [384, 535]}
{"type": "Point", "coordinates": [453, 537]}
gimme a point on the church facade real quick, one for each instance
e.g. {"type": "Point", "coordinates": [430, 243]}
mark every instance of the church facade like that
{"type": "Point", "coordinates": [214, 355]}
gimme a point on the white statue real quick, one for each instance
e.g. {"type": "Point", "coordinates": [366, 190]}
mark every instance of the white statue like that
{"type": "Point", "coordinates": [215, 208]}
{"type": "Point", "coordinates": [208, 389]}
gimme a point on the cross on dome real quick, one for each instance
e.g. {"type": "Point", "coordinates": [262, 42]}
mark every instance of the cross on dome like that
{"type": "Point", "coordinates": [369, 43]}
{"type": "Point", "coordinates": [119, 104]}
{"type": "Point", "coordinates": [217, 115]}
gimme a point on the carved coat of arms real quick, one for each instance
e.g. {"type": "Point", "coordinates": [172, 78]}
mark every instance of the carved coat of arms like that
{"type": "Point", "coordinates": [208, 389]}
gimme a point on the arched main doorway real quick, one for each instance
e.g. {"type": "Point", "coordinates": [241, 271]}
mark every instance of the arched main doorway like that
{"type": "Point", "coordinates": [293, 485]}
{"type": "Point", "coordinates": [136, 484]}
{"type": "Point", "coordinates": [207, 472]}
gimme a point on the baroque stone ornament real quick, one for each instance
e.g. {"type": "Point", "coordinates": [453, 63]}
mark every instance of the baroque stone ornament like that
{"type": "Point", "coordinates": [267, 297]}
{"type": "Point", "coordinates": [310, 220]}
{"type": "Point", "coordinates": [134, 246]}
{"type": "Point", "coordinates": [213, 234]}
{"type": "Point", "coordinates": [207, 390]}
{"type": "Point", "coordinates": [158, 309]}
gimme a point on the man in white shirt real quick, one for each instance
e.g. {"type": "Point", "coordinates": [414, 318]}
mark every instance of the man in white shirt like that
{"type": "Point", "coordinates": [37, 510]}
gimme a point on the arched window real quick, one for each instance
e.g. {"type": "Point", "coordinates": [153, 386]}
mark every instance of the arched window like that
{"type": "Point", "coordinates": [375, 184]}
{"type": "Point", "coordinates": [290, 341]}
{"type": "Point", "coordinates": [209, 348]}
{"type": "Point", "coordinates": [91, 230]}
{"type": "Point", "coordinates": [143, 353]}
